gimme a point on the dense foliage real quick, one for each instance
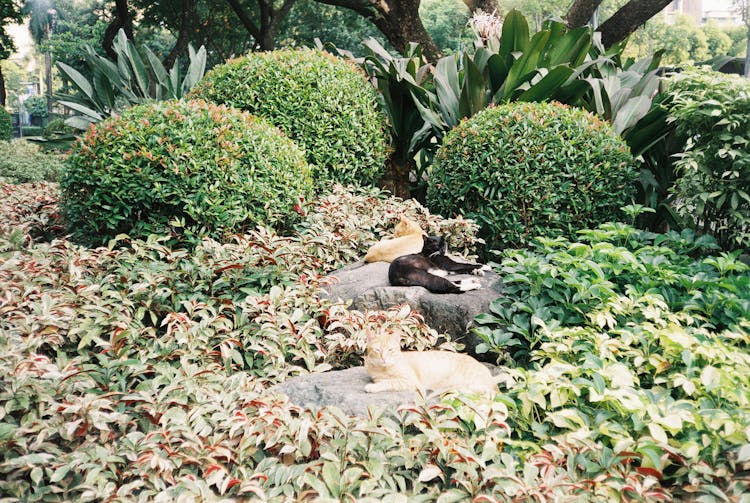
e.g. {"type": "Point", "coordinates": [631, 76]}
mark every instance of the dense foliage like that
{"type": "Point", "coordinates": [508, 62]}
{"type": "Point", "coordinates": [712, 113]}
{"type": "Point", "coordinates": [527, 169]}
{"type": "Point", "coordinates": [36, 106]}
{"type": "Point", "coordinates": [22, 161]}
{"type": "Point", "coordinates": [322, 102]}
{"type": "Point", "coordinates": [145, 372]}
{"type": "Point", "coordinates": [189, 168]}
{"type": "Point", "coordinates": [6, 125]}
{"type": "Point", "coordinates": [112, 86]}
{"type": "Point", "coordinates": [627, 343]}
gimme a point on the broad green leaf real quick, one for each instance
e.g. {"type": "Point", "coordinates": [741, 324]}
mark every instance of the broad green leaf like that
{"type": "Point", "coordinates": [473, 90]}
{"type": "Point", "coordinates": [515, 34]}
{"type": "Point", "coordinates": [546, 88]}
{"type": "Point", "coordinates": [78, 79]}
{"type": "Point", "coordinates": [82, 109]}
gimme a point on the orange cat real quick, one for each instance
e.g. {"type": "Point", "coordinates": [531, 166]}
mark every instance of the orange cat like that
{"type": "Point", "coordinates": [394, 370]}
{"type": "Point", "coordinates": [407, 240]}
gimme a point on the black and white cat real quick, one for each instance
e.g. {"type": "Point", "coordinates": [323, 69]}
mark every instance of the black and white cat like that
{"type": "Point", "coordinates": [430, 267]}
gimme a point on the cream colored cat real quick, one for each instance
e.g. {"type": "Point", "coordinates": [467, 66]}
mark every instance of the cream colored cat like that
{"type": "Point", "coordinates": [394, 370]}
{"type": "Point", "coordinates": [407, 240]}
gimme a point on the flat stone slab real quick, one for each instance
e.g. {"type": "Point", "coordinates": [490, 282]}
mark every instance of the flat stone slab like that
{"type": "Point", "coordinates": [367, 287]}
{"type": "Point", "coordinates": [344, 389]}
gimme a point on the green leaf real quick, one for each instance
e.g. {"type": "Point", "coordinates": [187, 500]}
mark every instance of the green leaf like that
{"type": "Point", "coordinates": [546, 88]}
{"type": "Point", "coordinates": [78, 79]}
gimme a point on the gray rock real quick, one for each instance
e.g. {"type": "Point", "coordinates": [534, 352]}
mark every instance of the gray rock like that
{"type": "Point", "coordinates": [344, 389]}
{"type": "Point", "coordinates": [367, 287]}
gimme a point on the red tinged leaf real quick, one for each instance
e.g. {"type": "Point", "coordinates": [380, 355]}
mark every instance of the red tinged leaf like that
{"type": "Point", "coordinates": [649, 472]}
{"type": "Point", "coordinates": [213, 468]}
{"type": "Point", "coordinates": [232, 483]}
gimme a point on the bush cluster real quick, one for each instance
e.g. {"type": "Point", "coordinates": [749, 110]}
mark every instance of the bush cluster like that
{"type": "Point", "coordinates": [322, 102]}
{"type": "Point", "coordinates": [22, 161]}
{"type": "Point", "coordinates": [528, 169]}
{"type": "Point", "coordinates": [55, 127]}
{"type": "Point", "coordinates": [148, 372]}
{"type": "Point", "coordinates": [191, 168]}
{"type": "Point", "coordinates": [712, 113]}
{"type": "Point", "coordinates": [6, 125]}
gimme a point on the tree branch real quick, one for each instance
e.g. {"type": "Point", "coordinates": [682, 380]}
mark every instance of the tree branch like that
{"type": "Point", "coordinates": [122, 20]}
{"type": "Point", "coordinates": [581, 12]}
{"type": "Point", "coordinates": [488, 6]}
{"type": "Point", "coordinates": [358, 6]}
{"type": "Point", "coordinates": [186, 22]}
{"type": "Point", "coordinates": [626, 20]}
{"type": "Point", "coordinates": [245, 19]}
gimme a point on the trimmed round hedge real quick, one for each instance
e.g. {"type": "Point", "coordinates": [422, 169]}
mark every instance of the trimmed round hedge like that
{"type": "Point", "coordinates": [191, 169]}
{"type": "Point", "coordinates": [322, 102]}
{"type": "Point", "coordinates": [528, 169]}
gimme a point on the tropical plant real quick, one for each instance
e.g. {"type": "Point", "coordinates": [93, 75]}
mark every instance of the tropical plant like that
{"type": "Point", "coordinates": [321, 101]}
{"type": "Point", "coordinates": [527, 169]}
{"type": "Point", "coordinates": [508, 64]}
{"type": "Point", "coordinates": [711, 112]}
{"type": "Point", "coordinates": [186, 167]}
{"type": "Point", "coordinates": [116, 85]}
{"type": "Point", "coordinates": [401, 82]}
{"type": "Point", "coordinates": [511, 66]}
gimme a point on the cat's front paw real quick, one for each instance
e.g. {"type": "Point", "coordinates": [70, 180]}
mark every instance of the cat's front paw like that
{"type": "Point", "coordinates": [372, 388]}
{"type": "Point", "coordinates": [481, 270]}
{"type": "Point", "coordinates": [469, 284]}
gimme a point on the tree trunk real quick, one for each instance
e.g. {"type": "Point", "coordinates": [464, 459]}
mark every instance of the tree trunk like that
{"type": "Point", "coordinates": [581, 12]}
{"type": "Point", "coordinates": [747, 54]}
{"type": "Point", "coordinates": [396, 179]}
{"type": "Point", "coordinates": [265, 33]}
{"type": "Point", "coordinates": [488, 6]}
{"type": "Point", "coordinates": [626, 20]}
{"type": "Point", "coordinates": [48, 80]}
{"type": "Point", "coordinates": [187, 16]}
{"type": "Point", "coordinates": [122, 20]}
{"type": "Point", "coordinates": [397, 20]}
{"type": "Point", "coordinates": [2, 88]}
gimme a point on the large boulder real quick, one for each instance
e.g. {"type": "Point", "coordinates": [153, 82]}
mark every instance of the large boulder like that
{"type": "Point", "coordinates": [367, 287]}
{"type": "Point", "coordinates": [344, 389]}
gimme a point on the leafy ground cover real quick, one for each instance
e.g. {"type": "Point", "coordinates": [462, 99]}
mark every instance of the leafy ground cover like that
{"type": "Point", "coordinates": [141, 372]}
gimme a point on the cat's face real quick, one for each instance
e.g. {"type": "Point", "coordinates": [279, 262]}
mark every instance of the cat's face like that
{"type": "Point", "coordinates": [406, 227]}
{"type": "Point", "coordinates": [434, 245]}
{"type": "Point", "coordinates": [383, 349]}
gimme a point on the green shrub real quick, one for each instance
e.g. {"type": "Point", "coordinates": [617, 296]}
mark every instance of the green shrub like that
{"type": "Point", "coordinates": [57, 127]}
{"type": "Point", "coordinates": [192, 168]}
{"type": "Point", "coordinates": [36, 106]}
{"type": "Point", "coordinates": [712, 113]}
{"type": "Point", "coordinates": [527, 169]}
{"type": "Point", "coordinates": [6, 125]}
{"type": "Point", "coordinates": [322, 102]}
{"type": "Point", "coordinates": [32, 131]}
{"type": "Point", "coordinates": [22, 161]}
{"type": "Point", "coordinates": [628, 343]}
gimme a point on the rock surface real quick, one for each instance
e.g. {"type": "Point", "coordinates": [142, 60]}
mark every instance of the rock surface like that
{"type": "Point", "coordinates": [367, 287]}
{"type": "Point", "coordinates": [343, 388]}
